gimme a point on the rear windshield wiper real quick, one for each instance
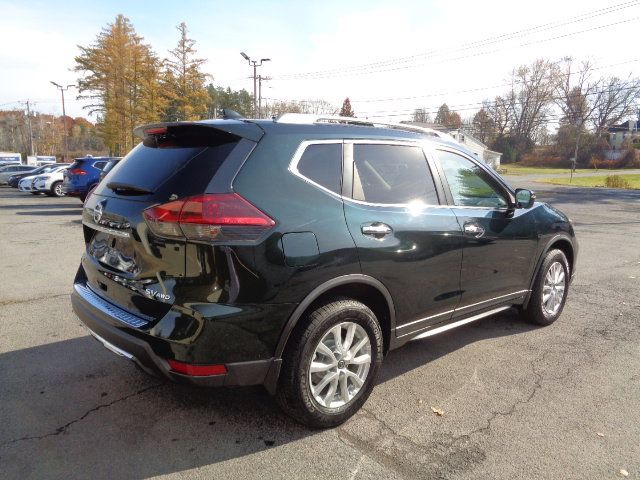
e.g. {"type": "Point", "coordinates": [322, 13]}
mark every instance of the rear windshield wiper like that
{"type": "Point", "coordinates": [127, 189]}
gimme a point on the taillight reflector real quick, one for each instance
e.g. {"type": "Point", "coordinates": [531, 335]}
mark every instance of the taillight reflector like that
{"type": "Point", "coordinates": [77, 171]}
{"type": "Point", "coordinates": [197, 370]}
{"type": "Point", "coordinates": [209, 217]}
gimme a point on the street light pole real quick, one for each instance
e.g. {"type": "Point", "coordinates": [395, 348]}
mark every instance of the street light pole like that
{"type": "Point", "coordinates": [64, 118]}
{"type": "Point", "coordinates": [255, 64]}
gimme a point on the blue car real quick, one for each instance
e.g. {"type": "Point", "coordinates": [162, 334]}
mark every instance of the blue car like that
{"type": "Point", "coordinates": [83, 175]}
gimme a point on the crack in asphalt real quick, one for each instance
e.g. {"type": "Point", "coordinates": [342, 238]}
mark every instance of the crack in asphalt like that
{"type": "Point", "coordinates": [66, 426]}
{"type": "Point", "coordinates": [443, 455]}
{"type": "Point", "coordinates": [4, 303]}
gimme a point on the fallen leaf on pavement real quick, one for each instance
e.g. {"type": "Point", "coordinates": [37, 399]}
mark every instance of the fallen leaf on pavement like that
{"type": "Point", "coordinates": [438, 411]}
{"type": "Point", "coordinates": [624, 473]}
{"type": "Point", "coordinates": [600, 434]}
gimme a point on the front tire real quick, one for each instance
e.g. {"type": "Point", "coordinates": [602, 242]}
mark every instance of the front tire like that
{"type": "Point", "coordinates": [56, 190]}
{"type": "Point", "coordinates": [550, 290]}
{"type": "Point", "coordinates": [330, 364]}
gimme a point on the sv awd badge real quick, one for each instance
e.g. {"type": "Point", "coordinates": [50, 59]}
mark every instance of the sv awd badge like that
{"type": "Point", "coordinates": [157, 295]}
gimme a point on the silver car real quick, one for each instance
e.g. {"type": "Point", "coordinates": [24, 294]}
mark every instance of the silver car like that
{"type": "Point", "coordinates": [9, 170]}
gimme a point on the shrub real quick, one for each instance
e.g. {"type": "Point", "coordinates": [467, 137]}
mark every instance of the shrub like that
{"type": "Point", "coordinates": [616, 181]}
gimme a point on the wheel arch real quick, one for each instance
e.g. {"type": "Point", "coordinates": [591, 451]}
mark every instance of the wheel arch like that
{"type": "Point", "coordinates": [360, 287]}
{"type": "Point", "coordinates": [561, 242]}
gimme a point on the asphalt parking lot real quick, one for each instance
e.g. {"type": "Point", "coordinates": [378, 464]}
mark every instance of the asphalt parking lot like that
{"type": "Point", "coordinates": [518, 401]}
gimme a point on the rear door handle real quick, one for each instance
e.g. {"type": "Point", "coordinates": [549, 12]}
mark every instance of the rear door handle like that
{"type": "Point", "coordinates": [376, 229]}
{"type": "Point", "coordinates": [473, 229]}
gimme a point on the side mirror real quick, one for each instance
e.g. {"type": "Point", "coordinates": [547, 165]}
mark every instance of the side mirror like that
{"type": "Point", "coordinates": [524, 198]}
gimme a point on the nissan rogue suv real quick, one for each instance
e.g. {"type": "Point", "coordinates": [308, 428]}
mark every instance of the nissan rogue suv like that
{"type": "Point", "coordinates": [295, 253]}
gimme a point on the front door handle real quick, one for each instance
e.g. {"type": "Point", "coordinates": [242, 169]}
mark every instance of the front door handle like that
{"type": "Point", "coordinates": [473, 229]}
{"type": "Point", "coordinates": [376, 229]}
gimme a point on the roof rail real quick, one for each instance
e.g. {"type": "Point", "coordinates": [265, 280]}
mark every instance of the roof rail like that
{"type": "Point", "coordinates": [311, 119]}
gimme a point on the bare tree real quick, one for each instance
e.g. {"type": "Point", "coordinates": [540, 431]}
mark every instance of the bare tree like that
{"type": "Point", "coordinates": [421, 115]}
{"type": "Point", "coordinates": [614, 101]}
{"type": "Point", "coordinates": [530, 99]}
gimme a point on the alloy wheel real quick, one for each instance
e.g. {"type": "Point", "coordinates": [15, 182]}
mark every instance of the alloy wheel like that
{"type": "Point", "coordinates": [553, 289]}
{"type": "Point", "coordinates": [340, 365]}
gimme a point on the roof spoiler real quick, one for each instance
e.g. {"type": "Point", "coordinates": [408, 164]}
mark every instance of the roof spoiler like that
{"type": "Point", "coordinates": [239, 128]}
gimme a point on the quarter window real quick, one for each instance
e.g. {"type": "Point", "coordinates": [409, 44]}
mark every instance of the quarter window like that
{"type": "Point", "coordinates": [392, 174]}
{"type": "Point", "coordinates": [322, 164]}
{"type": "Point", "coordinates": [470, 185]}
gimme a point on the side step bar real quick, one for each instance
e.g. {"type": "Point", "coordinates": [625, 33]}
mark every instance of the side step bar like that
{"type": "Point", "coordinates": [459, 323]}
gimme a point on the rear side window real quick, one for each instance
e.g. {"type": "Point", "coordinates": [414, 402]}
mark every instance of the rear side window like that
{"type": "Point", "coordinates": [322, 164]}
{"type": "Point", "coordinates": [99, 165]}
{"type": "Point", "coordinates": [392, 174]}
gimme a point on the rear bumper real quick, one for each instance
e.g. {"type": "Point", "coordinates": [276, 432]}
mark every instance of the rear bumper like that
{"type": "Point", "coordinates": [130, 343]}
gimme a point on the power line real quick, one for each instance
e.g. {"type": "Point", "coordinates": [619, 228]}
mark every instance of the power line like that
{"type": "Point", "coordinates": [474, 106]}
{"type": "Point", "coordinates": [440, 94]}
{"type": "Point", "coordinates": [372, 67]}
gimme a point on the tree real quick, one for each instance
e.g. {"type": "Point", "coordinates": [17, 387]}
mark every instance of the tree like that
{"type": "Point", "coordinates": [185, 82]}
{"type": "Point", "coordinates": [346, 110]}
{"type": "Point", "coordinates": [483, 126]}
{"type": "Point", "coordinates": [529, 100]}
{"type": "Point", "coordinates": [615, 100]}
{"type": "Point", "coordinates": [421, 115]}
{"type": "Point", "coordinates": [119, 75]}
{"type": "Point", "coordinates": [239, 101]}
{"type": "Point", "coordinates": [447, 117]}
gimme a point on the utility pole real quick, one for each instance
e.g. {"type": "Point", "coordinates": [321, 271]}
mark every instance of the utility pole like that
{"type": "Point", "coordinates": [255, 65]}
{"type": "Point", "coordinates": [30, 129]}
{"type": "Point", "coordinates": [64, 118]}
{"type": "Point", "coordinates": [260, 79]}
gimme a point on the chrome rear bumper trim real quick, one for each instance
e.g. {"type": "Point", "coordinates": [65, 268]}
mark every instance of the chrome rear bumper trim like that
{"type": "Point", "coordinates": [109, 309]}
{"type": "Point", "coordinates": [112, 347]}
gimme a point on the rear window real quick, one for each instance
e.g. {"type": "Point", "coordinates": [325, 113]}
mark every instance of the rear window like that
{"type": "Point", "coordinates": [185, 170]}
{"type": "Point", "coordinates": [322, 164]}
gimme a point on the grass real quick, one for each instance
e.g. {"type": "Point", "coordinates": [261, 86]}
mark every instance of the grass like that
{"type": "Point", "coordinates": [633, 181]}
{"type": "Point", "coordinates": [515, 169]}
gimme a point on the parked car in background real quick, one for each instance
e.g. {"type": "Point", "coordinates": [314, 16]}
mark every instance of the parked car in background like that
{"type": "Point", "coordinates": [83, 175]}
{"type": "Point", "coordinates": [49, 182]}
{"type": "Point", "coordinates": [8, 171]}
{"type": "Point", "coordinates": [109, 166]}
{"type": "Point", "coordinates": [296, 253]}
{"type": "Point", "coordinates": [15, 179]}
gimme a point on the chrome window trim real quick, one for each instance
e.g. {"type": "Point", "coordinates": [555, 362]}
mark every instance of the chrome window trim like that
{"type": "Point", "coordinates": [512, 294]}
{"type": "Point", "coordinates": [297, 156]}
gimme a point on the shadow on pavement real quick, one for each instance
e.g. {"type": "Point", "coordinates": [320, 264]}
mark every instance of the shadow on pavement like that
{"type": "Point", "coordinates": [77, 408]}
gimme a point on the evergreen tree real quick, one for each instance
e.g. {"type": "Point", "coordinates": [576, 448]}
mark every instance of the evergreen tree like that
{"type": "Point", "coordinates": [346, 110]}
{"type": "Point", "coordinates": [184, 81]}
{"type": "Point", "coordinates": [120, 77]}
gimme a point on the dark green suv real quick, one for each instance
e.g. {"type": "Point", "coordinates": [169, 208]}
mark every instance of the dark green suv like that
{"type": "Point", "coordinates": [296, 253]}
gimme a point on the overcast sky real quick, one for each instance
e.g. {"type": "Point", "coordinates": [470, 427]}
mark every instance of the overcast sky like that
{"type": "Point", "coordinates": [377, 53]}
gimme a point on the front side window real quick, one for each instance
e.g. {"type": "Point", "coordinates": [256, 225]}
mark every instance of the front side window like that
{"type": "Point", "coordinates": [470, 185]}
{"type": "Point", "coordinates": [392, 174]}
{"type": "Point", "coordinates": [322, 164]}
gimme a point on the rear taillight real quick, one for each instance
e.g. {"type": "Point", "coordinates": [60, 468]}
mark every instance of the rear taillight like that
{"type": "Point", "coordinates": [210, 217]}
{"type": "Point", "coordinates": [77, 171]}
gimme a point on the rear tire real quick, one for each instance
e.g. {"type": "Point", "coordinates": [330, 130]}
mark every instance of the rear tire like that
{"type": "Point", "coordinates": [343, 373]}
{"type": "Point", "coordinates": [550, 290]}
